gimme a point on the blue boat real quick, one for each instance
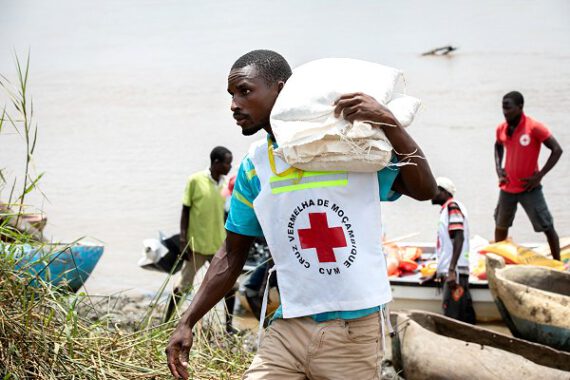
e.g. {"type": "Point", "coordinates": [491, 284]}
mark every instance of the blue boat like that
{"type": "Point", "coordinates": [64, 266]}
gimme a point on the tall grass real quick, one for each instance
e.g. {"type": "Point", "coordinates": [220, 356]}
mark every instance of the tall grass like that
{"type": "Point", "coordinates": [23, 124]}
{"type": "Point", "coordinates": [47, 333]}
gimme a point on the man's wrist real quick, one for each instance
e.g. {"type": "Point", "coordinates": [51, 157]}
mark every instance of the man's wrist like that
{"type": "Point", "coordinates": [391, 120]}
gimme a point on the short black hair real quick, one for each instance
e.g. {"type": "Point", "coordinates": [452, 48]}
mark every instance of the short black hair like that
{"type": "Point", "coordinates": [219, 154]}
{"type": "Point", "coordinates": [272, 67]}
{"type": "Point", "coordinates": [516, 97]}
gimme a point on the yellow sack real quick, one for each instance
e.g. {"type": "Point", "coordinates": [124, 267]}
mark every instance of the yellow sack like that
{"type": "Point", "coordinates": [429, 269]}
{"type": "Point", "coordinates": [516, 254]}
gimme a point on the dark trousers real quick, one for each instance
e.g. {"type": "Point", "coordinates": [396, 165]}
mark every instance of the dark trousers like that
{"type": "Point", "coordinates": [462, 309]}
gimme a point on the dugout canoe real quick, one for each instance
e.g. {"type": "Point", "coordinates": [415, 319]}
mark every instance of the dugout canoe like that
{"type": "Point", "coordinates": [431, 346]}
{"type": "Point", "coordinates": [64, 266]}
{"type": "Point", "coordinates": [534, 301]}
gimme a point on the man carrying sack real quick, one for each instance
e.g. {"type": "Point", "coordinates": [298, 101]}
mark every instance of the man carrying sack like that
{"type": "Point", "coordinates": [323, 230]}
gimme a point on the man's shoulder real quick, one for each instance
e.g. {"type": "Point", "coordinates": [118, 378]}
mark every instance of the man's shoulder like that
{"type": "Point", "coordinates": [254, 152]}
{"type": "Point", "coordinates": [500, 132]}
{"type": "Point", "coordinates": [536, 129]}
{"type": "Point", "coordinates": [198, 176]}
{"type": "Point", "coordinates": [501, 127]}
{"type": "Point", "coordinates": [533, 123]}
{"type": "Point", "coordinates": [257, 147]}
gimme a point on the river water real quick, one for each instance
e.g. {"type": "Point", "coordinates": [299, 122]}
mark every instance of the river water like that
{"type": "Point", "coordinates": [130, 97]}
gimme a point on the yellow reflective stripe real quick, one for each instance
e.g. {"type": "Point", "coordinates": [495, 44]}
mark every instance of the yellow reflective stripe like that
{"type": "Point", "coordinates": [294, 179]}
{"type": "Point", "coordinates": [250, 174]}
{"type": "Point", "coordinates": [272, 163]}
{"type": "Point", "coordinates": [310, 185]}
{"type": "Point", "coordinates": [305, 175]}
{"type": "Point", "coordinates": [242, 199]}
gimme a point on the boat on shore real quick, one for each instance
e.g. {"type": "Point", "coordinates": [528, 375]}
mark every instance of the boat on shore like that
{"type": "Point", "coordinates": [412, 291]}
{"type": "Point", "coordinates": [409, 290]}
{"type": "Point", "coordinates": [426, 345]}
{"type": "Point", "coordinates": [533, 301]}
{"type": "Point", "coordinates": [63, 266]}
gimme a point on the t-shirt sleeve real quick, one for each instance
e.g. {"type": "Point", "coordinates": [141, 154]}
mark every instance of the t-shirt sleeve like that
{"type": "Point", "coordinates": [188, 192]}
{"type": "Point", "coordinates": [456, 218]}
{"type": "Point", "coordinates": [386, 178]}
{"type": "Point", "coordinates": [498, 133]}
{"type": "Point", "coordinates": [540, 132]}
{"type": "Point", "coordinates": [242, 219]}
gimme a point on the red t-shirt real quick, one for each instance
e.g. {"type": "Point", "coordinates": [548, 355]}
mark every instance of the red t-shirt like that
{"type": "Point", "coordinates": [523, 149]}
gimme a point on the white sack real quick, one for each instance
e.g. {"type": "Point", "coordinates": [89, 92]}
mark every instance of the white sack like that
{"type": "Point", "coordinates": [310, 137]}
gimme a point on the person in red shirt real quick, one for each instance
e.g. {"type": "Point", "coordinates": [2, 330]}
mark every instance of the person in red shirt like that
{"type": "Point", "coordinates": [520, 177]}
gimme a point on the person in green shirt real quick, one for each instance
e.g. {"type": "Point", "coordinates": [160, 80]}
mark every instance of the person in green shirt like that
{"type": "Point", "coordinates": [202, 231]}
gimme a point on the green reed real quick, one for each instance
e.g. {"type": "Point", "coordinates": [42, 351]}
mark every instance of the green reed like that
{"type": "Point", "coordinates": [47, 333]}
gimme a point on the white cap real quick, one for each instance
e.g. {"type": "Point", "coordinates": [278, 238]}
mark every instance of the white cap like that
{"type": "Point", "coordinates": [446, 184]}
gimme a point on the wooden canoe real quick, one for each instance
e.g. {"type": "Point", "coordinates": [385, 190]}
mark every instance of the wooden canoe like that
{"type": "Point", "coordinates": [534, 301]}
{"type": "Point", "coordinates": [431, 346]}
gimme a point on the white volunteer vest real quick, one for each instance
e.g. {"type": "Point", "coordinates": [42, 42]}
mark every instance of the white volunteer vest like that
{"type": "Point", "coordinates": [323, 230]}
{"type": "Point", "coordinates": [444, 246]}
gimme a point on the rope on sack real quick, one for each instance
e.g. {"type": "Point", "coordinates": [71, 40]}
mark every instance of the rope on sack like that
{"type": "Point", "coordinates": [407, 157]}
{"type": "Point", "coordinates": [362, 149]}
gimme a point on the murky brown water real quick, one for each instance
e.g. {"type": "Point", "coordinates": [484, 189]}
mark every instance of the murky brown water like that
{"type": "Point", "coordinates": [130, 98]}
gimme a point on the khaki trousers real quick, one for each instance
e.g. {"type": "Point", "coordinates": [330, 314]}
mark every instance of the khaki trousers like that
{"type": "Point", "coordinates": [300, 348]}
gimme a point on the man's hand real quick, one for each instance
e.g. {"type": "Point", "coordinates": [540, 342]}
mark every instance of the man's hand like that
{"type": "Point", "coordinates": [178, 350]}
{"type": "Point", "coordinates": [532, 182]}
{"type": "Point", "coordinates": [359, 106]}
{"type": "Point", "coordinates": [502, 176]}
{"type": "Point", "coordinates": [451, 279]}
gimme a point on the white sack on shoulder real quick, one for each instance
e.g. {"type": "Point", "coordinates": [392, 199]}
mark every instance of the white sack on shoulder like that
{"type": "Point", "coordinates": [310, 137]}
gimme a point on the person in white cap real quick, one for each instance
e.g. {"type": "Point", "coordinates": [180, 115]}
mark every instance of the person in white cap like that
{"type": "Point", "coordinates": [452, 252]}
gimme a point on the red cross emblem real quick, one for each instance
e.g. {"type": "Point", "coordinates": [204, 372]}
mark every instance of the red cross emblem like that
{"type": "Point", "coordinates": [322, 237]}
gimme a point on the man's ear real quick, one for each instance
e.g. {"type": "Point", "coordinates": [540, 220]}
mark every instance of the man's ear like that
{"type": "Point", "coordinates": [280, 86]}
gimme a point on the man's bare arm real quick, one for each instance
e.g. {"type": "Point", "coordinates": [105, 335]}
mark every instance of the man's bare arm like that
{"type": "Point", "coordinates": [220, 278]}
{"type": "Point", "coordinates": [458, 238]}
{"type": "Point", "coordinates": [184, 222]}
{"type": "Point", "coordinates": [414, 180]}
{"type": "Point", "coordinates": [499, 154]}
{"type": "Point", "coordinates": [555, 153]}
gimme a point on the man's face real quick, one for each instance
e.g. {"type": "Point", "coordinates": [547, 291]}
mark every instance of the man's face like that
{"type": "Point", "coordinates": [511, 111]}
{"type": "Point", "coordinates": [225, 166]}
{"type": "Point", "coordinates": [252, 99]}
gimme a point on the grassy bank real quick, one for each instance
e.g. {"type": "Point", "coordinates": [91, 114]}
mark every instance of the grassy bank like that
{"type": "Point", "coordinates": [47, 334]}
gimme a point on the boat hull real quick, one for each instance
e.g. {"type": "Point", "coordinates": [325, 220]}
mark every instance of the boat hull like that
{"type": "Point", "coordinates": [427, 345]}
{"type": "Point", "coordinates": [67, 267]}
{"type": "Point", "coordinates": [408, 293]}
{"type": "Point", "coordinates": [533, 301]}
